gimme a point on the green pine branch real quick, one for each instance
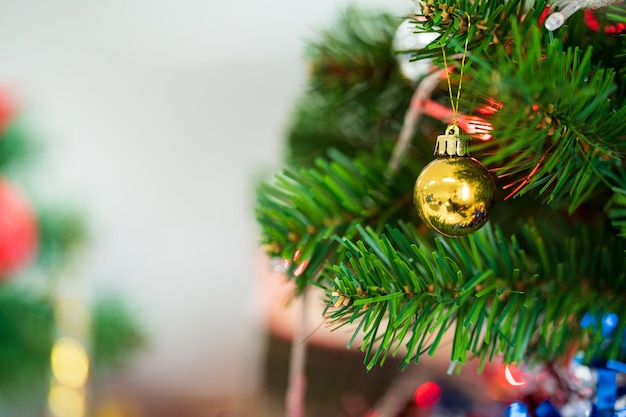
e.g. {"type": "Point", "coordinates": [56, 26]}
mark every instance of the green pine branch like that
{"type": "Point", "coordinates": [15, 150]}
{"type": "Point", "coordinates": [516, 290]}
{"type": "Point", "coordinates": [615, 208]}
{"type": "Point", "coordinates": [521, 296]}
{"type": "Point", "coordinates": [28, 331]}
{"type": "Point", "coordinates": [301, 210]}
{"type": "Point", "coordinates": [487, 23]}
{"type": "Point", "coordinates": [116, 333]}
{"type": "Point", "coordinates": [355, 97]}
{"type": "Point", "coordinates": [61, 232]}
{"type": "Point", "coordinates": [562, 120]}
{"type": "Point", "coordinates": [560, 127]}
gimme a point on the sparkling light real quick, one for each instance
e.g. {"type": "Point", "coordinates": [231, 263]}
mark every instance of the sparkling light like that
{"type": "Point", "coordinates": [510, 379]}
{"type": "Point", "coordinates": [465, 192]}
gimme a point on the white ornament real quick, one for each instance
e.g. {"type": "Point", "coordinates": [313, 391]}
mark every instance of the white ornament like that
{"type": "Point", "coordinates": [569, 7]}
{"type": "Point", "coordinates": [407, 40]}
{"type": "Point", "coordinates": [594, 4]}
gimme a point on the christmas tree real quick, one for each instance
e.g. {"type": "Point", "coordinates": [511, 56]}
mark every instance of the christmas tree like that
{"type": "Point", "coordinates": [56, 341]}
{"type": "Point", "coordinates": [513, 246]}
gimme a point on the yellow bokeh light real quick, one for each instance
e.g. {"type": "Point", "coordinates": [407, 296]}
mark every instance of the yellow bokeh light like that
{"type": "Point", "coordinates": [72, 317]}
{"type": "Point", "coordinates": [69, 362]}
{"type": "Point", "coordinates": [66, 402]}
{"type": "Point", "coordinates": [119, 406]}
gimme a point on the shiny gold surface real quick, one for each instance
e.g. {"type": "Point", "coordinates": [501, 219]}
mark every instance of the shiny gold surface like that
{"type": "Point", "coordinates": [455, 195]}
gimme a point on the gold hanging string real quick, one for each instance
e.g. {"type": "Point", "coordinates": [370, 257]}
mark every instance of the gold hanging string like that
{"type": "Point", "coordinates": [422, 93]}
{"type": "Point", "coordinates": [455, 107]}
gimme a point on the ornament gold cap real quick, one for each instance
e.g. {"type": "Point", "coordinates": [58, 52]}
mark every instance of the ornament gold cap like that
{"type": "Point", "coordinates": [452, 143]}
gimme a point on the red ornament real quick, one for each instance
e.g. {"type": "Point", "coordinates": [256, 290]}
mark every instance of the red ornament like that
{"type": "Point", "coordinates": [427, 394]}
{"type": "Point", "coordinates": [18, 230]}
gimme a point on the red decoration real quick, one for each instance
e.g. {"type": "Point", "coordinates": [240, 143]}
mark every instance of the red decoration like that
{"type": "Point", "coordinates": [7, 109]}
{"type": "Point", "coordinates": [427, 394]}
{"type": "Point", "coordinates": [616, 29]}
{"type": "Point", "coordinates": [506, 383]}
{"type": "Point", "coordinates": [475, 126]}
{"type": "Point", "coordinates": [544, 15]}
{"type": "Point", "coordinates": [592, 23]}
{"type": "Point", "coordinates": [18, 230]}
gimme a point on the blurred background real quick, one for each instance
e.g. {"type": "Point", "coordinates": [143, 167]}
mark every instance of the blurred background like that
{"type": "Point", "coordinates": [156, 119]}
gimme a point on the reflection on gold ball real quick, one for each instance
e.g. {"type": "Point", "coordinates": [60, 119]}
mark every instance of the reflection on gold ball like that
{"type": "Point", "coordinates": [455, 195]}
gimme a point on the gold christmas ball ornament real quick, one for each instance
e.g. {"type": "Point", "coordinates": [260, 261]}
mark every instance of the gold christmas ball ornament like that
{"type": "Point", "coordinates": [455, 193]}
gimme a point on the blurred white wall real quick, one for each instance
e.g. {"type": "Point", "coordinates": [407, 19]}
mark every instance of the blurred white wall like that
{"type": "Point", "coordinates": [158, 116]}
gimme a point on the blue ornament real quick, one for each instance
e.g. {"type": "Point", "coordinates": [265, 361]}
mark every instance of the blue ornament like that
{"type": "Point", "coordinates": [517, 410]}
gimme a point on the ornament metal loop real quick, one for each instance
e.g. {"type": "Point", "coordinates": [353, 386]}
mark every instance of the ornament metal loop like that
{"type": "Point", "coordinates": [452, 143]}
